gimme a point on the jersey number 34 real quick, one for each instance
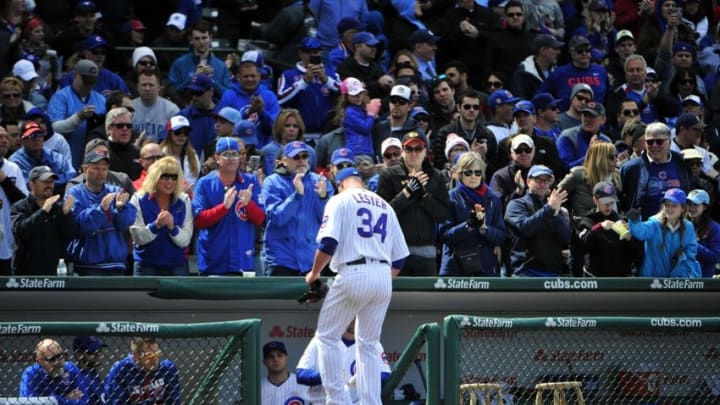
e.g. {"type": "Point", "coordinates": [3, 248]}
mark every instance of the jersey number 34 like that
{"type": "Point", "coordinates": [368, 229]}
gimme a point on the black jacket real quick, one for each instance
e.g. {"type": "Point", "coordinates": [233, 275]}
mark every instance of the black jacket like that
{"type": "Point", "coordinates": [366, 74]}
{"type": "Point", "coordinates": [418, 218]}
{"type": "Point", "coordinates": [609, 256]}
{"type": "Point", "coordinates": [481, 133]}
{"type": "Point", "coordinates": [41, 237]}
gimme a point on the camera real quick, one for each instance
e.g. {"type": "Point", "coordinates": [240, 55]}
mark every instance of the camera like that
{"type": "Point", "coordinates": [315, 60]}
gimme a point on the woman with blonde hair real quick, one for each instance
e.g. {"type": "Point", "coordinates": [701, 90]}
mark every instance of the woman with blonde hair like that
{"type": "Point", "coordinates": [163, 226]}
{"type": "Point", "coordinates": [600, 165]}
{"type": "Point", "coordinates": [177, 144]}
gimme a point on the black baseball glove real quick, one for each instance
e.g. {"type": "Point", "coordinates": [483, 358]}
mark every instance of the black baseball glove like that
{"type": "Point", "coordinates": [318, 290]}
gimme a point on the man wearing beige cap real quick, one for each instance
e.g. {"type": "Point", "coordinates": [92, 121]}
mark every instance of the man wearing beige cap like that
{"type": "Point", "coordinates": [398, 122]}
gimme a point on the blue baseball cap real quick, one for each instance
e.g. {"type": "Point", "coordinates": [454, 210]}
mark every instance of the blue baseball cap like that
{"type": "Point", "coordinates": [349, 23]}
{"type": "Point", "coordinates": [87, 344]}
{"type": "Point", "coordinates": [226, 143]}
{"type": "Point", "coordinates": [540, 170]}
{"type": "Point", "coordinates": [93, 42]}
{"type": "Point", "coordinates": [675, 196]}
{"type": "Point", "coordinates": [85, 7]}
{"type": "Point", "coordinates": [524, 106]}
{"type": "Point", "coordinates": [200, 83]}
{"type": "Point", "coordinates": [345, 173]}
{"type": "Point", "coordinates": [245, 130]}
{"type": "Point", "coordinates": [500, 97]}
{"type": "Point", "coordinates": [422, 36]}
{"type": "Point", "coordinates": [229, 114]}
{"type": "Point", "coordinates": [364, 37]}
{"type": "Point", "coordinates": [310, 43]}
{"type": "Point", "coordinates": [274, 345]}
{"type": "Point", "coordinates": [681, 46]}
{"type": "Point", "coordinates": [342, 155]}
{"type": "Point", "coordinates": [699, 197]}
{"type": "Point", "coordinates": [544, 100]}
{"type": "Point", "coordinates": [418, 110]}
{"type": "Point", "coordinates": [294, 148]}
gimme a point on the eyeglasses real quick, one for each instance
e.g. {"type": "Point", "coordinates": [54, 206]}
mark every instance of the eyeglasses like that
{"type": "Point", "coordinates": [55, 357]}
{"type": "Point", "coordinates": [151, 353]}
{"type": "Point", "coordinates": [583, 99]}
{"type": "Point", "coordinates": [542, 179]}
{"type": "Point", "coordinates": [230, 155]}
{"type": "Point", "coordinates": [344, 165]}
{"type": "Point", "coordinates": [301, 156]}
{"type": "Point", "coordinates": [153, 157]}
{"type": "Point", "coordinates": [399, 101]}
{"type": "Point", "coordinates": [476, 173]}
{"type": "Point", "coordinates": [168, 176]}
{"type": "Point", "coordinates": [582, 50]}
{"type": "Point", "coordinates": [523, 150]}
{"type": "Point", "coordinates": [475, 107]}
{"type": "Point", "coordinates": [99, 53]}
{"type": "Point", "coordinates": [146, 63]}
{"type": "Point", "coordinates": [12, 95]}
{"type": "Point", "coordinates": [511, 15]}
{"type": "Point", "coordinates": [655, 141]}
{"type": "Point", "coordinates": [416, 149]}
{"type": "Point", "coordinates": [494, 84]}
{"type": "Point", "coordinates": [391, 155]}
{"type": "Point", "coordinates": [123, 125]}
{"type": "Point", "coordinates": [631, 112]}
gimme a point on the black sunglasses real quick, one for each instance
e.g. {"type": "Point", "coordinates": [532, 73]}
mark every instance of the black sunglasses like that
{"type": "Point", "coordinates": [631, 112]}
{"type": "Point", "coordinates": [123, 126]}
{"type": "Point", "coordinates": [514, 15]}
{"type": "Point", "coordinates": [399, 101]}
{"type": "Point", "coordinates": [475, 107]}
{"type": "Point", "coordinates": [301, 156]}
{"type": "Point", "coordinates": [55, 357]}
{"type": "Point", "coordinates": [153, 157]}
{"type": "Point", "coordinates": [416, 149]}
{"type": "Point", "coordinates": [495, 84]}
{"type": "Point", "coordinates": [391, 155]}
{"type": "Point", "coordinates": [655, 141]}
{"type": "Point", "coordinates": [344, 165]}
{"type": "Point", "coordinates": [468, 173]}
{"type": "Point", "coordinates": [168, 176]}
{"type": "Point", "coordinates": [523, 150]}
{"type": "Point", "coordinates": [146, 63]}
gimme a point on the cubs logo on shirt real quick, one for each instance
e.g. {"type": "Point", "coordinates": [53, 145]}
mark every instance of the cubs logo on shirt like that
{"type": "Point", "coordinates": [240, 211]}
{"type": "Point", "coordinates": [295, 401]}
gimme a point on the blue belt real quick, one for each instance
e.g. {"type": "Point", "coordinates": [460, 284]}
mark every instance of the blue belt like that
{"type": "Point", "coordinates": [364, 261]}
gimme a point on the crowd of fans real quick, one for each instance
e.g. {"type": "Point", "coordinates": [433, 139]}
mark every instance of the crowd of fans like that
{"type": "Point", "coordinates": [513, 138]}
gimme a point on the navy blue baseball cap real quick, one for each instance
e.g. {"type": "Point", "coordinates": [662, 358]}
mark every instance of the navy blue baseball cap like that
{"type": "Point", "coordinates": [226, 143]}
{"type": "Point", "coordinates": [292, 149]}
{"type": "Point", "coordinates": [689, 120]}
{"type": "Point", "coordinates": [345, 173]}
{"type": "Point", "coordinates": [349, 23]}
{"type": "Point", "coordinates": [87, 344]}
{"type": "Point", "coordinates": [274, 345]}
{"type": "Point", "coordinates": [342, 155]}
{"type": "Point", "coordinates": [500, 97]}
{"type": "Point", "coordinates": [310, 43]}
{"type": "Point", "coordinates": [200, 83]}
{"type": "Point", "coordinates": [85, 7]}
{"type": "Point", "coordinates": [681, 46]}
{"type": "Point", "coordinates": [524, 106]}
{"type": "Point", "coordinates": [93, 42]}
{"type": "Point", "coordinates": [366, 38]}
{"type": "Point", "coordinates": [422, 36]}
{"type": "Point", "coordinates": [544, 100]}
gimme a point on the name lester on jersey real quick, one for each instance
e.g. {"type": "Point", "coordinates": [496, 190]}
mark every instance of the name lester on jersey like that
{"type": "Point", "coordinates": [362, 198]}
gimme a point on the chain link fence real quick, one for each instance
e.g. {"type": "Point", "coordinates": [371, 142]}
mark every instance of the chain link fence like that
{"type": "Point", "coordinates": [130, 363]}
{"type": "Point", "coordinates": [634, 361]}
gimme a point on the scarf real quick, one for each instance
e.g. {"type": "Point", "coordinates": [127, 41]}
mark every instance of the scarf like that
{"type": "Point", "coordinates": [473, 195]}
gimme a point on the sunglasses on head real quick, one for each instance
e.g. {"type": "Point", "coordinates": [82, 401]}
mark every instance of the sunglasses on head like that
{"type": "Point", "coordinates": [301, 156]}
{"type": "Point", "coordinates": [123, 125]}
{"type": "Point", "coordinates": [476, 173]}
{"type": "Point", "coordinates": [655, 141]}
{"type": "Point", "coordinates": [391, 155]}
{"type": "Point", "coordinates": [168, 176]}
{"type": "Point", "coordinates": [631, 112]}
{"type": "Point", "coordinates": [399, 101]}
{"type": "Point", "coordinates": [522, 150]}
{"type": "Point", "coordinates": [475, 107]}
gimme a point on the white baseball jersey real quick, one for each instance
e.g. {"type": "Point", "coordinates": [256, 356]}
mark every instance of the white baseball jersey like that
{"type": "Point", "coordinates": [309, 361]}
{"type": "Point", "coordinates": [366, 228]}
{"type": "Point", "coordinates": [287, 393]}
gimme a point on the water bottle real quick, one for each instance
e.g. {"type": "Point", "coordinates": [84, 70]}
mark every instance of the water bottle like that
{"type": "Point", "coordinates": [62, 268]}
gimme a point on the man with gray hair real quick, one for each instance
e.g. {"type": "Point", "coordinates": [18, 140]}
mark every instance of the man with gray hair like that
{"type": "Point", "coordinates": [119, 179]}
{"type": "Point", "coordinates": [52, 375]}
{"type": "Point", "coordinates": [124, 155]}
{"type": "Point", "coordinates": [646, 177]}
{"type": "Point", "coordinates": [636, 88]}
